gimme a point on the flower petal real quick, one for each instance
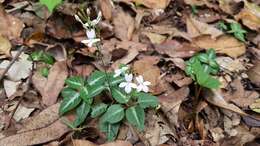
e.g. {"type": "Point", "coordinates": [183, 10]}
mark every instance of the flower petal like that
{"type": "Point", "coordinates": [133, 85]}
{"type": "Point", "coordinates": [128, 88]}
{"type": "Point", "coordinates": [123, 84]}
{"type": "Point", "coordinates": [139, 79]}
{"type": "Point", "coordinates": [145, 89]}
{"type": "Point", "coordinates": [91, 34]}
{"type": "Point", "coordinates": [139, 88]}
{"type": "Point", "coordinates": [128, 77]}
{"type": "Point", "coordinates": [147, 83]}
{"type": "Point", "coordinates": [117, 73]}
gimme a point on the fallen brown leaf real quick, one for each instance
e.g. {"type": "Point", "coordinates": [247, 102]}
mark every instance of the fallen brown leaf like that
{"type": "Point", "coordinates": [22, 113]}
{"type": "Point", "coordinates": [254, 74]}
{"type": "Point", "coordinates": [176, 49]}
{"type": "Point", "coordinates": [197, 28]}
{"type": "Point", "coordinates": [38, 136]}
{"type": "Point", "coordinates": [20, 69]}
{"type": "Point", "coordinates": [10, 87]}
{"type": "Point", "coordinates": [250, 15]}
{"type": "Point", "coordinates": [224, 44]}
{"type": "Point", "coordinates": [124, 24]}
{"type": "Point", "coordinates": [106, 8]}
{"type": "Point", "coordinates": [126, 59]}
{"type": "Point", "coordinates": [78, 142]}
{"type": "Point", "coordinates": [50, 88]}
{"type": "Point", "coordinates": [155, 4]}
{"type": "Point", "coordinates": [5, 46]}
{"type": "Point", "coordinates": [230, 65]}
{"type": "Point", "coordinates": [171, 102]}
{"type": "Point", "coordinates": [14, 25]}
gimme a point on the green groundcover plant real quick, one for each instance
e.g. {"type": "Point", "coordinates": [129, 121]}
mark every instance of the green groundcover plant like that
{"type": "Point", "coordinates": [128, 100]}
{"type": "Point", "coordinates": [201, 67]}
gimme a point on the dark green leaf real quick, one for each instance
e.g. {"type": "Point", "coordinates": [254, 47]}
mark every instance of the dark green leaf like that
{"type": "Point", "coordinates": [95, 90]}
{"type": "Point", "coordinates": [203, 57]}
{"type": "Point", "coordinates": [211, 53]}
{"type": "Point", "coordinates": [111, 130]}
{"type": "Point", "coordinates": [135, 116]}
{"type": "Point", "coordinates": [114, 114]}
{"type": "Point", "coordinates": [213, 64]}
{"type": "Point", "coordinates": [36, 55]}
{"type": "Point", "coordinates": [98, 110]}
{"type": "Point", "coordinates": [114, 81]}
{"type": "Point", "coordinates": [75, 82]}
{"type": "Point", "coordinates": [84, 93]}
{"type": "Point", "coordinates": [119, 95]}
{"type": "Point", "coordinates": [97, 78]}
{"type": "Point", "coordinates": [147, 100]}
{"type": "Point", "coordinates": [206, 80]}
{"type": "Point", "coordinates": [70, 101]}
{"type": "Point", "coordinates": [81, 113]}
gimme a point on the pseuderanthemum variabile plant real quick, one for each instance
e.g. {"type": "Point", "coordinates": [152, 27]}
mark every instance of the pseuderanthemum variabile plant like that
{"type": "Point", "coordinates": [129, 94]}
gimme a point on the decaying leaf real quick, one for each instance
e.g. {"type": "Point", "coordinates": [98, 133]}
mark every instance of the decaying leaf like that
{"type": "Point", "coordinates": [155, 4]}
{"type": "Point", "coordinates": [37, 136]}
{"type": "Point", "coordinates": [106, 8]}
{"type": "Point", "coordinates": [20, 69]}
{"type": "Point", "coordinates": [5, 46]}
{"type": "Point", "coordinates": [196, 28]}
{"type": "Point", "coordinates": [155, 38]}
{"type": "Point", "coordinates": [14, 25]}
{"type": "Point", "coordinates": [250, 15]}
{"type": "Point", "coordinates": [175, 49]}
{"type": "Point", "coordinates": [171, 102]}
{"type": "Point", "coordinates": [22, 113]}
{"type": "Point", "coordinates": [254, 73]}
{"type": "Point", "coordinates": [224, 44]}
{"type": "Point", "coordinates": [78, 142]}
{"type": "Point", "coordinates": [10, 87]}
{"type": "Point", "coordinates": [50, 88]}
{"type": "Point", "coordinates": [229, 64]}
{"type": "Point", "coordinates": [124, 25]}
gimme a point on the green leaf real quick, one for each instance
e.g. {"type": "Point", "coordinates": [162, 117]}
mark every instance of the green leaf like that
{"type": "Point", "coordinates": [203, 57]}
{"type": "Point", "coordinates": [70, 101]}
{"type": "Point", "coordinates": [111, 130]}
{"type": "Point", "coordinates": [51, 4]}
{"type": "Point", "coordinates": [47, 58]}
{"type": "Point", "coordinates": [97, 78]}
{"type": "Point", "coordinates": [84, 93]}
{"type": "Point", "coordinates": [213, 64]}
{"type": "Point", "coordinates": [81, 113]}
{"type": "Point", "coordinates": [75, 82]}
{"type": "Point", "coordinates": [237, 31]}
{"type": "Point", "coordinates": [114, 114]}
{"type": "Point", "coordinates": [95, 90]}
{"type": "Point", "coordinates": [119, 95]}
{"type": "Point", "coordinates": [98, 110]}
{"type": "Point", "coordinates": [114, 81]}
{"type": "Point", "coordinates": [45, 72]}
{"type": "Point", "coordinates": [206, 80]}
{"type": "Point", "coordinates": [36, 55]}
{"type": "Point", "coordinates": [147, 100]}
{"type": "Point", "coordinates": [135, 116]}
{"type": "Point", "coordinates": [211, 53]}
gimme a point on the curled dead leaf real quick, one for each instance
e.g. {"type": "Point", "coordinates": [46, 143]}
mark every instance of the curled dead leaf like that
{"type": "Point", "coordinates": [14, 25]}
{"type": "Point", "coordinates": [106, 8]}
{"type": "Point", "coordinates": [50, 88]}
{"type": "Point", "coordinates": [124, 24]}
{"type": "Point", "coordinates": [250, 16]}
{"type": "Point", "coordinates": [197, 28]}
{"type": "Point", "coordinates": [254, 74]}
{"type": "Point", "coordinates": [224, 44]}
{"type": "Point", "coordinates": [5, 46]}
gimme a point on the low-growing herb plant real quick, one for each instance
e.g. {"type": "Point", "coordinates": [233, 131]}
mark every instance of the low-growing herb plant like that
{"type": "Point", "coordinates": [201, 68]}
{"type": "Point", "coordinates": [127, 96]}
{"type": "Point", "coordinates": [129, 99]}
{"type": "Point", "coordinates": [41, 56]}
{"type": "Point", "coordinates": [51, 4]}
{"type": "Point", "coordinates": [233, 28]}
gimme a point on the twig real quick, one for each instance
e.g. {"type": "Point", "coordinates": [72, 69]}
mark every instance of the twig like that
{"type": "Point", "coordinates": [12, 62]}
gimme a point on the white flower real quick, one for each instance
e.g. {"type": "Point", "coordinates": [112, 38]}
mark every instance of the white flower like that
{"type": "Point", "coordinates": [128, 85]}
{"type": "Point", "coordinates": [90, 42]}
{"type": "Point", "coordinates": [120, 71]}
{"type": "Point", "coordinates": [91, 23]}
{"type": "Point", "coordinates": [142, 85]}
{"type": "Point", "coordinates": [91, 33]}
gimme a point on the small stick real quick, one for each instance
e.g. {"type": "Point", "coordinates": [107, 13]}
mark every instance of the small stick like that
{"type": "Point", "coordinates": [12, 62]}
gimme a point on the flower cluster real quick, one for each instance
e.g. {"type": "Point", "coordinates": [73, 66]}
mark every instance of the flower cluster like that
{"type": "Point", "coordinates": [90, 27]}
{"type": "Point", "coordinates": [128, 84]}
